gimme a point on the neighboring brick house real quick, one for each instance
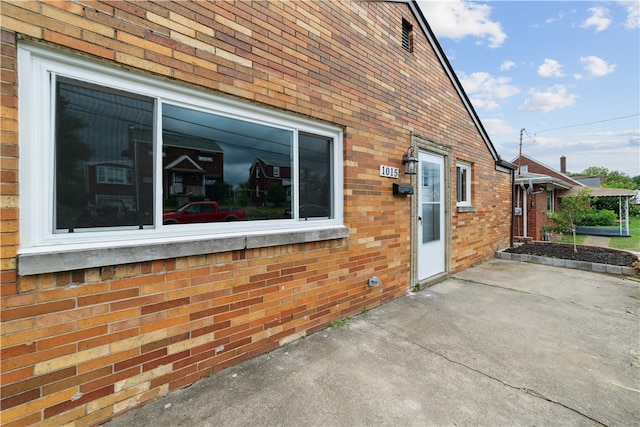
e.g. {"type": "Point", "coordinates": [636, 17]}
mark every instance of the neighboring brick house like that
{"type": "Point", "coordinates": [102, 317]}
{"type": "Point", "coordinates": [537, 190]}
{"type": "Point", "coordinates": [192, 167]}
{"type": "Point", "coordinates": [264, 174]}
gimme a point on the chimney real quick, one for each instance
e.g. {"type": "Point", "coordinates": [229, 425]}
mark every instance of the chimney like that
{"type": "Point", "coordinates": [563, 164]}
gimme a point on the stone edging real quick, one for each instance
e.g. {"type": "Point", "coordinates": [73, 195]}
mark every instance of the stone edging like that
{"type": "Point", "coordinates": [567, 263]}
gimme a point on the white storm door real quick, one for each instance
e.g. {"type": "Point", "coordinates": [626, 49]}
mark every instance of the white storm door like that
{"type": "Point", "coordinates": [431, 238]}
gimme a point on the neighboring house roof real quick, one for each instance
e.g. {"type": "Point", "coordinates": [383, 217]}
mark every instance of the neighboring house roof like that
{"type": "Point", "coordinates": [191, 143]}
{"type": "Point", "coordinates": [184, 163]}
{"type": "Point", "coordinates": [590, 180]}
{"type": "Point", "coordinates": [531, 179]}
{"type": "Point", "coordinates": [550, 171]}
{"type": "Point", "coordinates": [426, 29]}
{"type": "Point", "coordinates": [273, 162]}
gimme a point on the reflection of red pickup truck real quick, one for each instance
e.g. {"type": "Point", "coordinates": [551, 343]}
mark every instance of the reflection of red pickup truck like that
{"type": "Point", "coordinates": [202, 212]}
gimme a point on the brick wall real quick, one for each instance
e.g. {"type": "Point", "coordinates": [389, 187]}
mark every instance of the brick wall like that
{"type": "Point", "coordinates": [536, 215]}
{"type": "Point", "coordinates": [85, 345]}
{"type": "Point", "coordinates": [537, 202]}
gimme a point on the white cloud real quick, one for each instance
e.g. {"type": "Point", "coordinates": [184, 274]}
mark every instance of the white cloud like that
{"type": "Point", "coordinates": [633, 14]}
{"type": "Point", "coordinates": [597, 67]}
{"type": "Point", "coordinates": [507, 65]}
{"type": "Point", "coordinates": [615, 150]}
{"type": "Point", "coordinates": [497, 127]}
{"type": "Point", "coordinates": [458, 19]}
{"type": "Point", "coordinates": [599, 19]}
{"type": "Point", "coordinates": [551, 99]}
{"type": "Point", "coordinates": [485, 104]}
{"type": "Point", "coordinates": [557, 18]}
{"type": "Point", "coordinates": [484, 89]}
{"type": "Point", "coordinates": [481, 83]}
{"type": "Point", "coordinates": [550, 68]}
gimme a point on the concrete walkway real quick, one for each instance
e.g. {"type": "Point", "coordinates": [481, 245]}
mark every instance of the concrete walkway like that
{"type": "Point", "coordinates": [501, 344]}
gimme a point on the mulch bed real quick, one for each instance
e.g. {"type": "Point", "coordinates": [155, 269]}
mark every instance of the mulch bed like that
{"type": "Point", "coordinates": [585, 253]}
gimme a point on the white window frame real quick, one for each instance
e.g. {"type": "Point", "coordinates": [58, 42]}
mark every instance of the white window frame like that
{"type": "Point", "coordinates": [466, 167]}
{"type": "Point", "coordinates": [124, 175]}
{"type": "Point", "coordinates": [36, 65]}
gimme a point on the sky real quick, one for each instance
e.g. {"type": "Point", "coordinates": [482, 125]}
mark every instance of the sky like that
{"type": "Point", "coordinates": [567, 72]}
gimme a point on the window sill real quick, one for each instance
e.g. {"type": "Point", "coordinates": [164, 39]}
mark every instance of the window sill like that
{"type": "Point", "coordinates": [49, 262]}
{"type": "Point", "coordinates": [466, 208]}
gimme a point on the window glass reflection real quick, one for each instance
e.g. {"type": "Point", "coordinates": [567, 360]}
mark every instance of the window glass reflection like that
{"type": "Point", "coordinates": [238, 164]}
{"type": "Point", "coordinates": [104, 158]}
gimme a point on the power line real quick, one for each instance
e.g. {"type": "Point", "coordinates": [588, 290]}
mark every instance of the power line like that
{"type": "Point", "coordinates": [589, 123]}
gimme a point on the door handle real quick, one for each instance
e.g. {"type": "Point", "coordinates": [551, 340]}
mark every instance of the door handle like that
{"type": "Point", "coordinates": [420, 219]}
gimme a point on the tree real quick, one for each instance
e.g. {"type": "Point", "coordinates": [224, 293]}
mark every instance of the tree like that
{"type": "Point", "coordinates": [572, 210]}
{"type": "Point", "coordinates": [220, 191]}
{"type": "Point", "coordinates": [276, 194]}
{"type": "Point", "coordinates": [613, 179]}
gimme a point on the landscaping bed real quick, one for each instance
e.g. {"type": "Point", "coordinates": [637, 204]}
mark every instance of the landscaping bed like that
{"type": "Point", "coordinates": [585, 253]}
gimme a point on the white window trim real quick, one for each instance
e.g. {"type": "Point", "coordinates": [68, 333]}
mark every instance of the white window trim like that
{"type": "Point", "coordinates": [37, 153]}
{"type": "Point", "coordinates": [467, 167]}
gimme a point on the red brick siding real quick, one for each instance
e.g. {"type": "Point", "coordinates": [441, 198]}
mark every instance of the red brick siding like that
{"type": "Point", "coordinates": [536, 215]}
{"type": "Point", "coordinates": [86, 345]}
{"type": "Point", "coordinates": [534, 167]}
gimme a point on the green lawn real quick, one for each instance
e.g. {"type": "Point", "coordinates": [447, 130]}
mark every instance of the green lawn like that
{"type": "Point", "coordinates": [629, 243]}
{"type": "Point", "coordinates": [568, 238]}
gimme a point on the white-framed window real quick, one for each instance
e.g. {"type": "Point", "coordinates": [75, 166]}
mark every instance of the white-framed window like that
{"type": "Point", "coordinates": [78, 115]}
{"type": "Point", "coordinates": [114, 175]}
{"type": "Point", "coordinates": [276, 171]}
{"type": "Point", "coordinates": [463, 184]}
{"type": "Point", "coordinates": [550, 200]}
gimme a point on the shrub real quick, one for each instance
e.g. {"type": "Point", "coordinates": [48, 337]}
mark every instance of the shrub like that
{"type": "Point", "coordinates": [602, 218]}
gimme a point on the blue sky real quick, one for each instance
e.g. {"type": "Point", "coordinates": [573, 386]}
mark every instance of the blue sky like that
{"type": "Point", "coordinates": [568, 72]}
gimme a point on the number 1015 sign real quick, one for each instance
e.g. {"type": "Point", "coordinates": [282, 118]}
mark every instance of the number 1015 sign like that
{"type": "Point", "coordinates": [389, 171]}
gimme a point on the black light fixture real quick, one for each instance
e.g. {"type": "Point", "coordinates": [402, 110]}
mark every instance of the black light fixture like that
{"type": "Point", "coordinates": [410, 163]}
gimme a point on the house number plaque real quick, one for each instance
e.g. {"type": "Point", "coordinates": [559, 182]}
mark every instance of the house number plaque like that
{"type": "Point", "coordinates": [388, 171]}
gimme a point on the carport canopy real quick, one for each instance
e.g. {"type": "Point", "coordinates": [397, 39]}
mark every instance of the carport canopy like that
{"type": "Point", "coordinates": [623, 195]}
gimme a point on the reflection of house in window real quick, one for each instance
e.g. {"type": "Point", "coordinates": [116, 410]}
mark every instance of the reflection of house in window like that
{"type": "Point", "coordinates": [114, 175]}
{"type": "Point", "coordinates": [191, 165]}
{"type": "Point", "coordinates": [264, 173]}
{"type": "Point", "coordinates": [115, 182]}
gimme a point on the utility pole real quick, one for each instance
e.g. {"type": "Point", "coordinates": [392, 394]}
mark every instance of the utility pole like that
{"type": "Point", "coordinates": [520, 156]}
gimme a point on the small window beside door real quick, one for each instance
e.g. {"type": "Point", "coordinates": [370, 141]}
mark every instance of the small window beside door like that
{"type": "Point", "coordinates": [463, 187]}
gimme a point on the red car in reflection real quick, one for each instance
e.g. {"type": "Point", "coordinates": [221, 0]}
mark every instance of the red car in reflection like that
{"type": "Point", "coordinates": [193, 212]}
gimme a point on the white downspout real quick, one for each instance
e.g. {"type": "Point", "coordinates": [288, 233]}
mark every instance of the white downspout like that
{"type": "Point", "coordinates": [518, 206]}
{"type": "Point", "coordinates": [524, 212]}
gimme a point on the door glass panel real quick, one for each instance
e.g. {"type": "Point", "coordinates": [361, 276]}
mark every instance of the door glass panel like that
{"type": "Point", "coordinates": [430, 202]}
{"type": "Point", "coordinates": [430, 182]}
{"type": "Point", "coordinates": [430, 222]}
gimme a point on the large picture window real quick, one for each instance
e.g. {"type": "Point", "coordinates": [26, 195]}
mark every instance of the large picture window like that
{"type": "Point", "coordinates": [128, 157]}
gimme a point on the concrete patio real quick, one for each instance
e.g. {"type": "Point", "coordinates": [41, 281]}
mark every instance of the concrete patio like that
{"type": "Point", "coordinates": [503, 343]}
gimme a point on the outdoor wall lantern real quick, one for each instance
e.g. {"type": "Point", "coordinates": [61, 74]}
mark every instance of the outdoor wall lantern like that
{"type": "Point", "coordinates": [410, 163]}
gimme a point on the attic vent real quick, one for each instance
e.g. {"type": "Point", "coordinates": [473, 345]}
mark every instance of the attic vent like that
{"type": "Point", "coordinates": [407, 36]}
